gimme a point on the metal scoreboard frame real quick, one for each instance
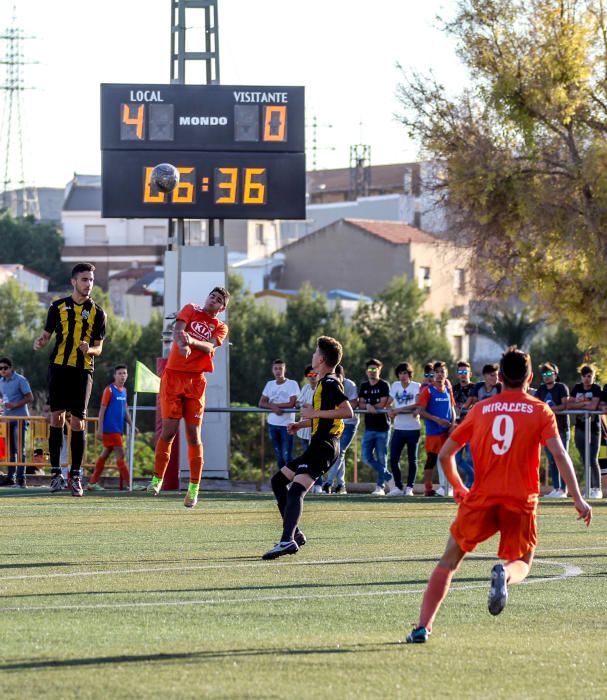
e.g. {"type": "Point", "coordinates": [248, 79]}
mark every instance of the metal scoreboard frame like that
{"type": "Point", "coordinates": [240, 151]}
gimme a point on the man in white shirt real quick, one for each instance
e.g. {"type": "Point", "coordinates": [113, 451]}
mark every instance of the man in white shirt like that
{"type": "Point", "coordinates": [403, 412]}
{"type": "Point", "coordinates": [279, 395]}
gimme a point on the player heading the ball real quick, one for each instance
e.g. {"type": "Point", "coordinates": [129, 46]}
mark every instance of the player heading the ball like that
{"type": "Point", "coordinates": [197, 334]}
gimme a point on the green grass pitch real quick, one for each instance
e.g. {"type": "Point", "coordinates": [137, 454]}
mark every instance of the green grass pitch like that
{"type": "Point", "coordinates": [131, 596]}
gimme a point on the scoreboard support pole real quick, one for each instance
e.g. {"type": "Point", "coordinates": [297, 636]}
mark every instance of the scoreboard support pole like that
{"type": "Point", "coordinates": [190, 274]}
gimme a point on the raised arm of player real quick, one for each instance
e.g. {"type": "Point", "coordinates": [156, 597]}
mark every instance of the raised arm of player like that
{"type": "Point", "coordinates": [186, 343]}
{"type": "Point", "coordinates": [565, 467]}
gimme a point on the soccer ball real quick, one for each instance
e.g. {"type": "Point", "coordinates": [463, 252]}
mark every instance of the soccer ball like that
{"type": "Point", "coordinates": [165, 177]}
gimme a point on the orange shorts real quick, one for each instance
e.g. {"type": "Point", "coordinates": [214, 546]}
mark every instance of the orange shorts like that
{"type": "Point", "coordinates": [474, 524]}
{"type": "Point", "coordinates": [435, 442]}
{"type": "Point", "coordinates": [182, 396]}
{"type": "Point", "coordinates": [112, 439]}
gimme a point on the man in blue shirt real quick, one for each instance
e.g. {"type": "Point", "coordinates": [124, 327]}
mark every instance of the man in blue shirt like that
{"type": "Point", "coordinates": [16, 395]}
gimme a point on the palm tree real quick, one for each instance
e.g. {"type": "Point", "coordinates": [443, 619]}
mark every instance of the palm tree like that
{"type": "Point", "coordinates": [507, 326]}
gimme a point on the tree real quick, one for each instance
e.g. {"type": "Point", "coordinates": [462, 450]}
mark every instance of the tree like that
{"type": "Point", "coordinates": [34, 244]}
{"type": "Point", "coordinates": [525, 172]}
{"type": "Point", "coordinates": [560, 345]}
{"type": "Point", "coordinates": [508, 326]}
{"type": "Point", "coordinates": [394, 329]}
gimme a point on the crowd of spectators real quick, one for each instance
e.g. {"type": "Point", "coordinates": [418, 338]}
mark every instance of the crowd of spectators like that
{"type": "Point", "coordinates": [393, 415]}
{"type": "Point", "coordinates": [392, 422]}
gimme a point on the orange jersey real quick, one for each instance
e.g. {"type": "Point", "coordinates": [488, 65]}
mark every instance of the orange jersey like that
{"type": "Point", "coordinates": [201, 326]}
{"type": "Point", "coordinates": [506, 433]}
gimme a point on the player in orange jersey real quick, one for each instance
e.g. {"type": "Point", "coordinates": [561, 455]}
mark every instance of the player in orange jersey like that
{"type": "Point", "coordinates": [505, 433]}
{"type": "Point", "coordinates": [198, 332]}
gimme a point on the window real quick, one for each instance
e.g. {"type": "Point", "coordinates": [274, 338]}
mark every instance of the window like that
{"type": "Point", "coordinates": [458, 346]}
{"type": "Point", "coordinates": [95, 235]}
{"type": "Point", "coordinates": [459, 280]}
{"type": "Point", "coordinates": [423, 278]}
{"type": "Point", "coordinates": [259, 233]}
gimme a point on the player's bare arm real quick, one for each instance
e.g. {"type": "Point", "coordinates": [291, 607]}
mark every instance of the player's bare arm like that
{"type": "Point", "coordinates": [429, 416]}
{"type": "Point", "coordinates": [447, 460]}
{"type": "Point", "coordinates": [344, 410]}
{"type": "Point", "coordinates": [292, 428]}
{"type": "Point", "coordinates": [291, 403]}
{"type": "Point", "coordinates": [42, 340]}
{"type": "Point", "coordinates": [94, 349]}
{"type": "Point", "coordinates": [99, 431]}
{"type": "Point", "coordinates": [566, 469]}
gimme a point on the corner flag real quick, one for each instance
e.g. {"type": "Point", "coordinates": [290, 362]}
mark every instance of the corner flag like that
{"type": "Point", "coordinates": [145, 379]}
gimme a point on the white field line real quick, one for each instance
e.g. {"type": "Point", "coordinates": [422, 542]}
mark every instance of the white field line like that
{"type": "Point", "coordinates": [249, 565]}
{"type": "Point", "coordinates": [568, 571]}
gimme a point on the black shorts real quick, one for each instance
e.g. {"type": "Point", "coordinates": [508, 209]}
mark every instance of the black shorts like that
{"type": "Point", "coordinates": [69, 389]}
{"type": "Point", "coordinates": [317, 458]}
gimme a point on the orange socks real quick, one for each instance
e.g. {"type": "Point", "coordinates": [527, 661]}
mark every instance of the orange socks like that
{"type": "Point", "coordinates": [124, 471]}
{"type": "Point", "coordinates": [438, 587]}
{"type": "Point", "coordinates": [99, 467]}
{"type": "Point", "coordinates": [162, 456]}
{"type": "Point", "coordinates": [196, 461]}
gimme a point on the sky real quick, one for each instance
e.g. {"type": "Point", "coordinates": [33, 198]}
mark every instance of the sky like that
{"type": "Point", "coordinates": [343, 51]}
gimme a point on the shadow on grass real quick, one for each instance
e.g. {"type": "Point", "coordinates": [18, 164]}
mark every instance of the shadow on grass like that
{"type": "Point", "coordinates": [195, 655]}
{"type": "Point", "coordinates": [295, 586]}
{"type": "Point", "coordinates": [35, 565]}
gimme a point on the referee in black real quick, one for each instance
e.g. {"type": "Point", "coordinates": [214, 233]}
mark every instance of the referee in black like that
{"type": "Point", "coordinates": [79, 327]}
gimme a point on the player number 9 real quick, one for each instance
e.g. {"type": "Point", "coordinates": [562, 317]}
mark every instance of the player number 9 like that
{"type": "Point", "coordinates": [502, 431]}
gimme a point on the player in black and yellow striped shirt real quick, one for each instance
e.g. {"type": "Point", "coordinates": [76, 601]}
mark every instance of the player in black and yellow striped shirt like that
{"type": "Point", "coordinates": [325, 416]}
{"type": "Point", "coordinates": [79, 327]}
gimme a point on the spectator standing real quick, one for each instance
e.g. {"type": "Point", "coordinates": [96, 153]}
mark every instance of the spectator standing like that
{"type": "Point", "coordinates": [280, 394]}
{"type": "Point", "coordinates": [586, 396]}
{"type": "Point", "coordinates": [113, 414]}
{"type": "Point", "coordinates": [555, 394]}
{"type": "Point", "coordinates": [437, 408]}
{"type": "Point", "coordinates": [374, 394]}
{"type": "Point", "coordinates": [490, 386]}
{"type": "Point", "coordinates": [461, 394]}
{"type": "Point", "coordinates": [16, 395]}
{"type": "Point", "coordinates": [79, 327]}
{"type": "Point", "coordinates": [406, 428]}
{"type": "Point", "coordinates": [337, 473]}
{"type": "Point", "coordinates": [428, 374]}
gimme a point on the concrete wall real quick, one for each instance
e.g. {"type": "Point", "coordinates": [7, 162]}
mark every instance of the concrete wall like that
{"type": "Point", "coordinates": [342, 256]}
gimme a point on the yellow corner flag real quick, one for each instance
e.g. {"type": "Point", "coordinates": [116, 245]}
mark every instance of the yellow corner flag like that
{"type": "Point", "coordinates": [145, 379]}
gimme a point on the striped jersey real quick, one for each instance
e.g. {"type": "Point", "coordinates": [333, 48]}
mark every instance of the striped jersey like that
{"type": "Point", "coordinates": [72, 323]}
{"type": "Point", "coordinates": [328, 395]}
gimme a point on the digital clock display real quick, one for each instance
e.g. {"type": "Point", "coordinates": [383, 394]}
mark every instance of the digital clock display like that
{"type": "Point", "coordinates": [239, 151]}
{"type": "Point", "coordinates": [211, 185]}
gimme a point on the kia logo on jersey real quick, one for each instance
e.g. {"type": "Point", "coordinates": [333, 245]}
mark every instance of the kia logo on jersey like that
{"type": "Point", "coordinates": [201, 330]}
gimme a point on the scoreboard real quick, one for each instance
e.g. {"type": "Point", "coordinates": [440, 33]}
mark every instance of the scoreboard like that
{"type": "Point", "coordinates": [239, 151]}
